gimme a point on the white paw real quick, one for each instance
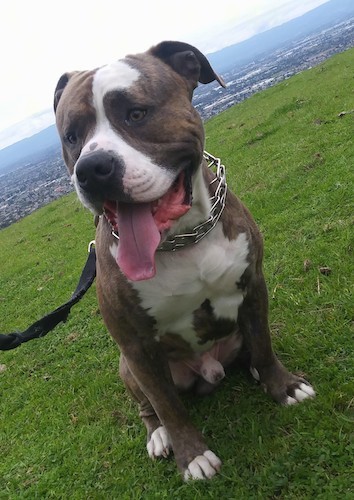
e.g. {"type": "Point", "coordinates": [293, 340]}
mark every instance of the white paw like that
{"type": "Point", "coordinates": [159, 444]}
{"type": "Point", "coordinates": [303, 392]}
{"type": "Point", "coordinates": [203, 466]}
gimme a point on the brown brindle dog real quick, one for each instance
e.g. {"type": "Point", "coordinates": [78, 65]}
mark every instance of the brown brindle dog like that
{"type": "Point", "coordinates": [179, 261]}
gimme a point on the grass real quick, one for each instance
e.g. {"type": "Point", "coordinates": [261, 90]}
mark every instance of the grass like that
{"type": "Point", "coordinates": [67, 426]}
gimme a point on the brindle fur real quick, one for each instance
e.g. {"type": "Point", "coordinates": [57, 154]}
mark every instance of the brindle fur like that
{"type": "Point", "coordinates": [144, 363]}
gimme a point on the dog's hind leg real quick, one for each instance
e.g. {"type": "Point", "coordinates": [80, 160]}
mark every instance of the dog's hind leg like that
{"type": "Point", "coordinates": [283, 386]}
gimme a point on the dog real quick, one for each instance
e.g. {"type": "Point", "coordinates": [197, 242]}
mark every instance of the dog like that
{"type": "Point", "coordinates": [179, 257]}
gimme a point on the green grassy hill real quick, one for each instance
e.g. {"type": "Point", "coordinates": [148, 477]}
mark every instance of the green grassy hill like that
{"type": "Point", "coordinates": [67, 426]}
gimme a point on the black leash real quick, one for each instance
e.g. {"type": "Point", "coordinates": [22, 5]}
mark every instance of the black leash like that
{"type": "Point", "coordinates": [41, 327]}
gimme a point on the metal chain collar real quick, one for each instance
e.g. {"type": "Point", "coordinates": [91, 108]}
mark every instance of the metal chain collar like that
{"type": "Point", "coordinates": [179, 241]}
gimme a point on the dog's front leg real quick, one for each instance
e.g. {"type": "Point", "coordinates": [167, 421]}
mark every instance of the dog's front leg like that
{"type": "Point", "coordinates": [283, 386]}
{"type": "Point", "coordinates": [145, 370]}
{"type": "Point", "coordinates": [148, 366]}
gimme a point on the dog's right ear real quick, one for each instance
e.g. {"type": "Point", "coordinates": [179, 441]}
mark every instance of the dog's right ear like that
{"type": "Point", "coordinates": [188, 61]}
{"type": "Point", "coordinates": [63, 80]}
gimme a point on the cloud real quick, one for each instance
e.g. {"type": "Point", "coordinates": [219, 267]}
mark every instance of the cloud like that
{"type": "Point", "coordinates": [38, 49]}
{"type": "Point", "coordinates": [26, 128]}
{"type": "Point", "coordinates": [263, 17]}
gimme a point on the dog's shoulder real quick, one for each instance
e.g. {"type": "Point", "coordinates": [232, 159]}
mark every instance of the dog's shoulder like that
{"type": "Point", "coordinates": [237, 219]}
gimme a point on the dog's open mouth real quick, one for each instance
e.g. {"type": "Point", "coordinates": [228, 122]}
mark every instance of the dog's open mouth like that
{"type": "Point", "coordinates": [141, 225]}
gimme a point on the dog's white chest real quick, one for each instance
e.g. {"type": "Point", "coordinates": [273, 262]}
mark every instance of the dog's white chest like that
{"type": "Point", "coordinates": [185, 279]}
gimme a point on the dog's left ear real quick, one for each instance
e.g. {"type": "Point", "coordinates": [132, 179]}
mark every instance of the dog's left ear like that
{"type": "Point", "coordinates": [62, 83]}
{"type": "Point", "coordinates": [188, 61]}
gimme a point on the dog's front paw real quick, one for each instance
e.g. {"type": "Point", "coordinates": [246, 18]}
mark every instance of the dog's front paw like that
{"type": "Point", "coordinates": [299, 391]}
{"type": "Point", "coordinates": [203, 466]}
{"type": "Point", "coordinates": [159, 444]}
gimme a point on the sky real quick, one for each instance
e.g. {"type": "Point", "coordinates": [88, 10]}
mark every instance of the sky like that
{"type": "Point", "coordinates": [40, 40]}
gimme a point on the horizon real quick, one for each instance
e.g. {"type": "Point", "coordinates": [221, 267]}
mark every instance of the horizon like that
{"type": "Point", "coordinates": [241, 23]}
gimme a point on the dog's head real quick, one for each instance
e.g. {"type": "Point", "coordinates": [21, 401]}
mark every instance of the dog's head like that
{"type": "Point", "coordinates": [132, 140]}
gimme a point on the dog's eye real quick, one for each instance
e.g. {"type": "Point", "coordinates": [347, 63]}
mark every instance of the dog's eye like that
{"type": "Point", "coordinates": [71, 138]}
{"type": "Point", "coordinates": [136, 115]}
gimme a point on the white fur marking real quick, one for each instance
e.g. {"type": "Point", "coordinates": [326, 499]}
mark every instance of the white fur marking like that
{"type": "Point", "coordinates": [303, 392]}
{"type": "Point", "coordinates": [115, 76]}
{"type": "Point", "coordinates": [255, 374]}
{"type": "Point", "coordinates": [203, 466]}
{"type": "Point", "coordinates": [185, 279]}
{"type": "Point", "coordinates": [159, 444]}
{"type": "Point", "coordinates": [300, 395]}
{"type": "Point", "coordinates": [113, 249]}
{"type": "Point", "coordinates": [308, 389]}
{"type": "Point", "coordinates": [290, 401]}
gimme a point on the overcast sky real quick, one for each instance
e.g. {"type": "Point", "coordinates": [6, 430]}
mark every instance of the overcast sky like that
{"type": "Point", "coordinates": [41, 39]}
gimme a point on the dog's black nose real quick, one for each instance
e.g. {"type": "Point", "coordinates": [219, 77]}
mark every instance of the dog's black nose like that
{"type": "Point", "coordinates": [100, 172]}
{"type": "Point", "coordinates": [95, 168]}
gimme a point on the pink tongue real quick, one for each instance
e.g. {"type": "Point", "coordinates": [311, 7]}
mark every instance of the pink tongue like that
{"type": "Point", "coordinates": [139, 238]}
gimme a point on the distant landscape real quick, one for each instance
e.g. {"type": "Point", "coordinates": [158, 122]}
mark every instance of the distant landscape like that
{"type": "Point", "coordinates": [32, 172]}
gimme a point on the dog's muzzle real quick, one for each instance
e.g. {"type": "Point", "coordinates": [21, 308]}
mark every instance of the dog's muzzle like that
{"type": "Point", "coordinates": [99, 176]}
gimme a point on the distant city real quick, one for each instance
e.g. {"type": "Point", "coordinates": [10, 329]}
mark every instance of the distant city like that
{"type": "Point", "coordinates": [38, 181]}
{"type": "Point", "coordinates": [32, 185]}
{"type": "Point", "coordinates": [274, 67]}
